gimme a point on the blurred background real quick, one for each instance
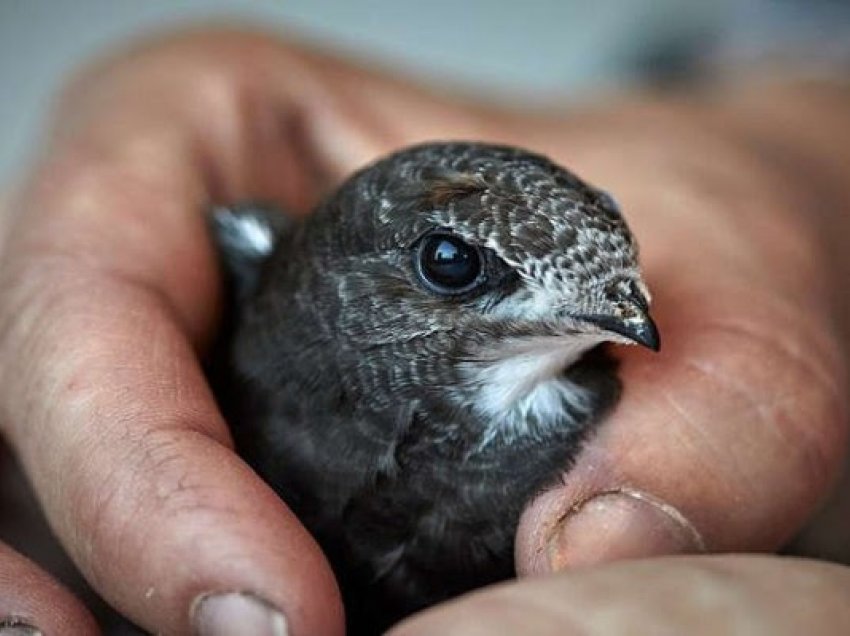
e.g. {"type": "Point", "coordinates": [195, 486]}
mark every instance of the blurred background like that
{"type": "Point", "coordinates": [533, 50]}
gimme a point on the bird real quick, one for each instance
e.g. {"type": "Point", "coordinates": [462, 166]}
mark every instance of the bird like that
{"type": "Point", "coordinates": [415, 360]}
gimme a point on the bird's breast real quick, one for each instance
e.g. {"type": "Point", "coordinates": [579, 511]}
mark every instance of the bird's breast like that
{"type": "Point", "coordinates": [519, 387]}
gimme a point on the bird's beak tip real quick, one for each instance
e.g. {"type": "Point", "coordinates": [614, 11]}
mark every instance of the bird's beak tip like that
{"type": "Point", "coordinates": [646, 334]}
{"type": "Point", "coordinates": [639, 330]}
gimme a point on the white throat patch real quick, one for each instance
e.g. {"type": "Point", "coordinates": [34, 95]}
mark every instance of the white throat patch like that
{"type": "Point", "coordinates": [520, 384]}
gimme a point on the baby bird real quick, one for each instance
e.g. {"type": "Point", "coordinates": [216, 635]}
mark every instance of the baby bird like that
{"type": "Point", "coordinates": [411, 363]}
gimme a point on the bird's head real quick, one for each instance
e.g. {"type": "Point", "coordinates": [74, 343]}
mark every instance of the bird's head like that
{"type": "Point", "coordinates": [477, 269]}
{"type": "Point", "coordinates": [464, 275]}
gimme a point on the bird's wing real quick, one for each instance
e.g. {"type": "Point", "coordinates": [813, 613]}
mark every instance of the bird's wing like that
{"type": "Point", "coordinates": [245, 236]}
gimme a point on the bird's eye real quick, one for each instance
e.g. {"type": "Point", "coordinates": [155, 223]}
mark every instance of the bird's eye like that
{"type": "Point", "coordinates": [448, 265]}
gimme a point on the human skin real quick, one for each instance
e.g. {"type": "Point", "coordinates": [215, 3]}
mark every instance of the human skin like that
{"type": "Point", "coordinates": [698, 596]}
{"type": "Point", "coordinates": [727, 440]}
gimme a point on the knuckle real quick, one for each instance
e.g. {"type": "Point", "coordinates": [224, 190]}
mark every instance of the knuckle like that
{"type": "Point", "coordinates": [146, 496]}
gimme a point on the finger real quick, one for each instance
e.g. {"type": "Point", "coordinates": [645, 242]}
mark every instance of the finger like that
{"type": "Point", "coordinates": [730, 437]}
{"type": "Point", "coordinates": [138, 478]}
{"type": "Point", "coordinates": [33, 603]}
{"type": "Point", "coordinates": [698, 595]}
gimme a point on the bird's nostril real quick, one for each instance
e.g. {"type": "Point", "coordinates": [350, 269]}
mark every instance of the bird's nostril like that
{"type": "Point", "coordinates": [637, 297]}
{"type": "Point", "coordinates": [629, 310]}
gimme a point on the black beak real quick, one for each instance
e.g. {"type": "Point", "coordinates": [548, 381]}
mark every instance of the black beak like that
{"type": "Point", "coordinates": [637, 327]}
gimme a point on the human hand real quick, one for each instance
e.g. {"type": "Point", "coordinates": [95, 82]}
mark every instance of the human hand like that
{"type": "Point", "coordinates": [698, 596]}
{"type": "Point", "coordinates": [109, 295]}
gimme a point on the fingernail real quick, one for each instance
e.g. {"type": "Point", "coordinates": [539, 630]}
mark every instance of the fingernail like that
{"type": "Point", "coordinates": [11, 626]}
{"type": "Point", "coordinates": [620, 525]}
{"type": "Point", "coordinates": [236, 613]}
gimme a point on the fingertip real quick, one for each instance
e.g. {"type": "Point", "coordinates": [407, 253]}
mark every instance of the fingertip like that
{"type": "Point", "coordinates": [237, 613]}
{"type": "Point", "coordinates": [599, 514]}
{"type": "Point", "coordinates": [611, 526]}
{"type": "Point", "coordinates": [222, 554]}
{"type": "Point", "coordinates": [32, 602]}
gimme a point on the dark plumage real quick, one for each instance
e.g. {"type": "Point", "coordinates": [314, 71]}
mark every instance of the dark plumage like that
{"type": "Point", "coordinates": [405, 364]}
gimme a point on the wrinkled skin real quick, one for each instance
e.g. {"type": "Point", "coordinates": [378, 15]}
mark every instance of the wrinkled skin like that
{"type": "Point", "coordinates": [727, 440]}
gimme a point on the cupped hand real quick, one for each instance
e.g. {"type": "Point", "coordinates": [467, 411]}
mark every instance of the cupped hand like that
{"type": "Point", "coordinates": [109, 293]}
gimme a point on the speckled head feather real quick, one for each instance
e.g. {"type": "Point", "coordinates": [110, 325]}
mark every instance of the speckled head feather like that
{"type": "Point", "coordinates": [410, 363]}
{"type": "Point", "coordinates": [548, 225]}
